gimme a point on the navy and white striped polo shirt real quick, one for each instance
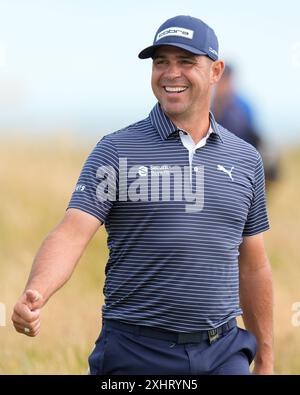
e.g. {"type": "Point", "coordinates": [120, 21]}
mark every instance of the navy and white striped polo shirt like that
{"type": "Point", "coordinates": [170, 267]}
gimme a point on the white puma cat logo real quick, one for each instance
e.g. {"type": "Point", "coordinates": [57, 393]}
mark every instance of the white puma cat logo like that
{"type": "Point", "coordinates": [222, 168]}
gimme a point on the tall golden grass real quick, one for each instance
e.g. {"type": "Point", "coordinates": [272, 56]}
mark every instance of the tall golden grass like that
{"type": "Point", "coordinates": [36, 180]}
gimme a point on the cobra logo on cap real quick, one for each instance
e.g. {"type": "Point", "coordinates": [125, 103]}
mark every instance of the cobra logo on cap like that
{"type": "Point", "coordinates": [175, 31]}
{"type": "Point", "coordinates": [213, 51]}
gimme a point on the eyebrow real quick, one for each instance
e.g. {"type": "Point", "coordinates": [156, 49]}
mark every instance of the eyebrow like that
{"type": "Point", "coordinates": [177, 56]}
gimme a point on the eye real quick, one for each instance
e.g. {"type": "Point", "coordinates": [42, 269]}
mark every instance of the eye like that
{"type": "Point", "coordinates": [187, 61]}
{"type": "Point", "coordinates": [159, 61]}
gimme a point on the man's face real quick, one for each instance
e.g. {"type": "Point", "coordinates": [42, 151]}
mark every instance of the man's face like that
{"type": "Point", "coordinates": [181, 81]}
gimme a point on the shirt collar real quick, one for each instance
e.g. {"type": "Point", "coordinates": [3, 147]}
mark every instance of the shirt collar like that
{"type": "Point", "coordinates": [189, 143]}
{"type": "Point", "coordinates": [166, 127]}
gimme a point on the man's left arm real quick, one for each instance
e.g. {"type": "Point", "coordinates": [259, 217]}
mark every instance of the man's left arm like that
{"type": "Point", "coordinates": [256, 297]}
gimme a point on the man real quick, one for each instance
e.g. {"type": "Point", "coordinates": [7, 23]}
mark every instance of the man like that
{"type": "Point", "coordinates": [183, 203]}
{"type": "Point", "coordinates": [232, 111]}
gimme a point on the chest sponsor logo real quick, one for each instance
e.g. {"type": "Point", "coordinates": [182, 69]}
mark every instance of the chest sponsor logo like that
{"type": "Point", "coordinates": [159, 170]}
{"type": "Point", "coordinates": [229, 172]}
{"type": "Point", "coordinates": [151, 183]}
{"type": "Point", "coordinates": [143, 171]}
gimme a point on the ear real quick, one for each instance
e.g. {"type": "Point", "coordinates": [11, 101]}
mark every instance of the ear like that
{"type": "Point", "coordinates": [216, 71]}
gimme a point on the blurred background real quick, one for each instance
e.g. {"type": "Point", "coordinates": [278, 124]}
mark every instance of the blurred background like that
{"type": "Point", "coordinates": [69, 74]}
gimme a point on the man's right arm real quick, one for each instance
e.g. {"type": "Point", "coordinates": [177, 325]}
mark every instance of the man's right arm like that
{"type": "Point", "coordinates": [53, 266]}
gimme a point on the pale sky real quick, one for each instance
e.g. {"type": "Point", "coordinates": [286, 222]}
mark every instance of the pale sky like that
{"type": "Point", "coordinates": [74, 63]}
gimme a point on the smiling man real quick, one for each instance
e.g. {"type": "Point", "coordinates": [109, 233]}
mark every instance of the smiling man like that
{"type": "Point", "coordinates": [177, 277]}
{"type": "Point", "coordinates": [181, 82]}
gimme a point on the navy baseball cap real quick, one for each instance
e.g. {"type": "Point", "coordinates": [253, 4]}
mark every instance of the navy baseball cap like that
{"type": "Point", "coordinates": [185, 32]}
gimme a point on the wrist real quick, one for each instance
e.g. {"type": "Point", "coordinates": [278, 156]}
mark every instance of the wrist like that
{"type": "Point", "coordinates": [263, 368]}
{"type": "Point", "coordinates": [264, 357]}
{"type": "Point", "coordinates": [264, 363]}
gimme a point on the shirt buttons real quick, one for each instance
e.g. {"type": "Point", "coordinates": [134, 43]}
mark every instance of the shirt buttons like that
{"type": "Point", "coordinates": [196, 168]}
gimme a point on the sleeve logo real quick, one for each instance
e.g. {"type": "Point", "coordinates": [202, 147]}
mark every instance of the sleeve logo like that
{"type": "Point", "coordinates": [79, 188]}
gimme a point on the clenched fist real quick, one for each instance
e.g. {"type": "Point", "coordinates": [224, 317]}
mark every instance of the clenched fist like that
{"type": "Point", "coordinates": [26, 314]}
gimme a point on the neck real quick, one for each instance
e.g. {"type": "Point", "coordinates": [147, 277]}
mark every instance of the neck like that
{"type": "Point", "coordinates": [197, 125]}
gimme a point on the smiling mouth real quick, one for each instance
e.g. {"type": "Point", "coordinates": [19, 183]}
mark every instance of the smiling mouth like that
{"type": "Point", "coordinates": [175, 89]}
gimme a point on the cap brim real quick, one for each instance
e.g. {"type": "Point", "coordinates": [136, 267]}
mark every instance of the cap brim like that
{"type": "Point", "coordinates": [149, 51]}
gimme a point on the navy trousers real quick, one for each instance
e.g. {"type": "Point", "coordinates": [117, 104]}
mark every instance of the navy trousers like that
{"type": "Point", "coordinates": [118, 352]}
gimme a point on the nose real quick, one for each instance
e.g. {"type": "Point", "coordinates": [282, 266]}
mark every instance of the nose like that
{"type": "Point", "coordinates": [173, 71]}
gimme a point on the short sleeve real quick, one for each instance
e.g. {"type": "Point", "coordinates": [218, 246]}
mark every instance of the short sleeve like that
{"type": "Point", "coordinates": [95, 191]}
{"type": "Point", "coordinates": [257, 219]}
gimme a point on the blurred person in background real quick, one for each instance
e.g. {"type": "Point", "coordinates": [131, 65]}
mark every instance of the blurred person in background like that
{"type": "Point", "coordinates": [235, 113]}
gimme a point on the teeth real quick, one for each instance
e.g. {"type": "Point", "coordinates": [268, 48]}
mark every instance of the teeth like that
{"type": "Point", "coordinates": [175, 88]}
